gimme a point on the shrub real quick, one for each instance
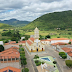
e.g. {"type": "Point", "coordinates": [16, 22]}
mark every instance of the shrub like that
{"type": "Point", "coordinates": [39, 63]}
{"type": "Point", "coordinates": [22, 52]}
{"type": "Point", "coordinates": [42, 62]}
{"type": "Point", "coordinates": [22, 58]}
{"type": "Point", "coordinates": [68, 63]}
{"type": "Point", "coordinates": [36, 61]}
{"type": "Point", "coordinates": [21, 49]}
{"type": "Point", "coordinates": [69, 43]}
{"type": "Point", "coordinates": [21, 55]}
{"type": "Point", "coordinates": [25, 70]}
{"type": "Point", "coordinates": [20, 45]}
{"type": "Point", "coordinates": [23, 39]}
{"type": "Point", "coordinates": [1, 48]}
{"type": "Point", "coordinates": [23, 62]}
{"type": "Point", "coordinates": [62, 53]}
{"type": "Point", "coordinates": [54, 62]}
{"type": "Point", "coordinates": [36, 56]}
{"type": "Point", "coordinates": [64, 56]}
{"type": "Point", "coordinates": [6, 41]}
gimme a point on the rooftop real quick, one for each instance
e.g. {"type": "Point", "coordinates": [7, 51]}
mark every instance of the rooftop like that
{"type": "Point", "coordinates": [10, 69]}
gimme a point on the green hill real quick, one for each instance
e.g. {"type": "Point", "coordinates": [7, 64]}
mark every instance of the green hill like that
{"type": "Point", "coordinates": [4, 26]}
{"type": "Point", "coordinates": [62, 20]}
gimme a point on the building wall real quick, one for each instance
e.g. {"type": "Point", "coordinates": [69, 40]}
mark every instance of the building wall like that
{"type": "Point", "coordinates": [55, 41]}
{"type": "Point", "coordinates": [34, 47]}
{"type": "Point", "coordinates": [46, 42]}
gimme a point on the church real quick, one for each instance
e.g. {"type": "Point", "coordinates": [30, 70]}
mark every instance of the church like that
{"type": "Point", "coordinates": [33, 44]}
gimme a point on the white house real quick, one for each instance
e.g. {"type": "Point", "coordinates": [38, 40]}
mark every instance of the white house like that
{"type": "Point", "coordinates": [63, 40]}
{"type": "Point", "coordinates": [1, 42]}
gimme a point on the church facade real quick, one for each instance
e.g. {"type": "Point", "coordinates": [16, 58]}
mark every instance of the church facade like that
{"type": "Point", "coordinates": [33, 44]}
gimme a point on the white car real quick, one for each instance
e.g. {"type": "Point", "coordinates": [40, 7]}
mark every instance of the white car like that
{"type": "Point", "coordinates": [60, 57]}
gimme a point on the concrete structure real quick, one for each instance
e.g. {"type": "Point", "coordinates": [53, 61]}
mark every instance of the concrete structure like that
{"type": "Point", "coordinates": [22, 38]}
{"type": "Point", "coordinates": [34, 44]}
{"type": "Point", "coordinates": [1, 42]}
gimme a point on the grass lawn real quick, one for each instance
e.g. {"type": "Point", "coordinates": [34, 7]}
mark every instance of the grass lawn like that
{"type": "Point", "coordinates": [48, 62]}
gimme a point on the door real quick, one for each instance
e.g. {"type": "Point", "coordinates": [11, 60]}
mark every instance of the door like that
{"type": "Point", "coordinates": [42, 49]}
{"type": "Point", "coordinates": [31, 50]}
{"type": "Point", "coordinates": [37, 49]}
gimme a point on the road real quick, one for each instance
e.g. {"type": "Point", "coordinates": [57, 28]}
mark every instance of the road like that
{"type": "Point", "coordinates": [61, 62]}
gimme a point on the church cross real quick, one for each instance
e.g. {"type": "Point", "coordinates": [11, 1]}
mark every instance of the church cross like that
{"type": "Point", "coordinates": [37, 40]}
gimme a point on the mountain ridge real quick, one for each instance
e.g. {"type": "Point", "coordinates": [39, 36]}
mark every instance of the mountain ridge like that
{"type": "Point", "coordinates": [15, 22]}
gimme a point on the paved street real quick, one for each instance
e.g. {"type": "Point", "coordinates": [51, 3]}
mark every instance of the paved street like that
{"type": "Point", "coordinates": [29, 62]}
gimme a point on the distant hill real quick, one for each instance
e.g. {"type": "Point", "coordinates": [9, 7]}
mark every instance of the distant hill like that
{"type": "Point", "coordinates": [2, 26]}
{"type": "Point", "coordinates": [15, 22]}
{"type": "Point", "coordinates": [62, 20]}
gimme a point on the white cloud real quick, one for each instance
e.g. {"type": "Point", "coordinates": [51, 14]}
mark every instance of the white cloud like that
{"type": "Point", "coordinates": [31, 9]}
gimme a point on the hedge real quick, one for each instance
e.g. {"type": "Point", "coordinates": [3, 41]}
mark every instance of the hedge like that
{"type": "Point", "coordinates": [69, 63]}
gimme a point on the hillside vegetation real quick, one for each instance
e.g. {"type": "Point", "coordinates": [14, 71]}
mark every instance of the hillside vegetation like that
{"type": "Point", "coordinates": [3, 26]}
{"type": "Point", "coordinates": [62, 20]}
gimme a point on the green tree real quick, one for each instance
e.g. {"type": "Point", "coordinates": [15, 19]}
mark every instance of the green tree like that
{"type": "Point", "coordinates": [23, 62]}
{"type": "Point", "coordinates": [25, 70]}
{"type": "Point", "coordinates": [69, 63]}
{"type": "Point", "coordinates": [64, 56]}
{"type": "Point", "coordinates": [40, 37]}
{"type": "Point", "coordinates": [1, 48]}
{"type": "Point", "coordinates": [69, 43]}
{"type": "Point", "coordinates": [54, 62]}
{"type": "Point", "coordinates": [62, 53]}
{"type": "Point", "coordinates": [48, 36]}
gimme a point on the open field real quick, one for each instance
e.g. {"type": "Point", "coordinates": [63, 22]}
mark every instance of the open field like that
{"type": "Point", "coordinates": [53, 34]}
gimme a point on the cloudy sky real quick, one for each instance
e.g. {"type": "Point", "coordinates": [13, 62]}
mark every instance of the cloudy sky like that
{"type": "Point", "coordinates": [31, 9]}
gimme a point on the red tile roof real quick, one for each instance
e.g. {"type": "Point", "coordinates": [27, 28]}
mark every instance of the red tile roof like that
{"type": "Point", "coordinates": [32, 39]}
{"type": "Point", "coordinates": [70, 39]}
{"type": "Point", "coordinates": [12, 42]}
{"type": "Point", "coordinates": [29, 42]}
{"type": "Point", "coordinates": [11, 52]}
{"type": "Point", "coordinates": [22, 42]}
{"type": "Point", "coordinates": [59, 39]}
{"type": "Point", "coordinates": [10, 68]}
{"type": "Point", "coordinates": [68, 51]}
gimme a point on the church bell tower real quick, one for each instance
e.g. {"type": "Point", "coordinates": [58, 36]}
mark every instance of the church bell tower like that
{"type": "Point", "coordinates": [36, 33]}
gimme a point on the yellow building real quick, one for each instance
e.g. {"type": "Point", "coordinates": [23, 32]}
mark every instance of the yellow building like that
{"type": "Point", "coordinates": [34, 44]}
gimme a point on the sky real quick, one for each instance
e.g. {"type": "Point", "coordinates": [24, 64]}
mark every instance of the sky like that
{"type": "Point", "coordinates": [29, 10]}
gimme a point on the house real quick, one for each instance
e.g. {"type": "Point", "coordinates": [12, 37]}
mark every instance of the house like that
{"type": "Point", "coordinates": [22, 43]}
{"type": "Point", "coordinates": [22, 38]}
{"type": "Point", "coordinates": [46, 41]}
{"type": "Point", "coordinates": [10, 69]}
{"type": "Point", "coordinates": [9, 56]}
{"type": "Point", "coordinates": [34, 44]}
{"type": "Point", "coordinates": [1, 42]}
{"type": "Point", "coordinates": [68, 51]}
{"type": "Point", "coordinates": [63, 40]}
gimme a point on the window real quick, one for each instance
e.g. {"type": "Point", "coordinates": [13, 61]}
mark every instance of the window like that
{"type": "Point", "coordinates": [37, 44]}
